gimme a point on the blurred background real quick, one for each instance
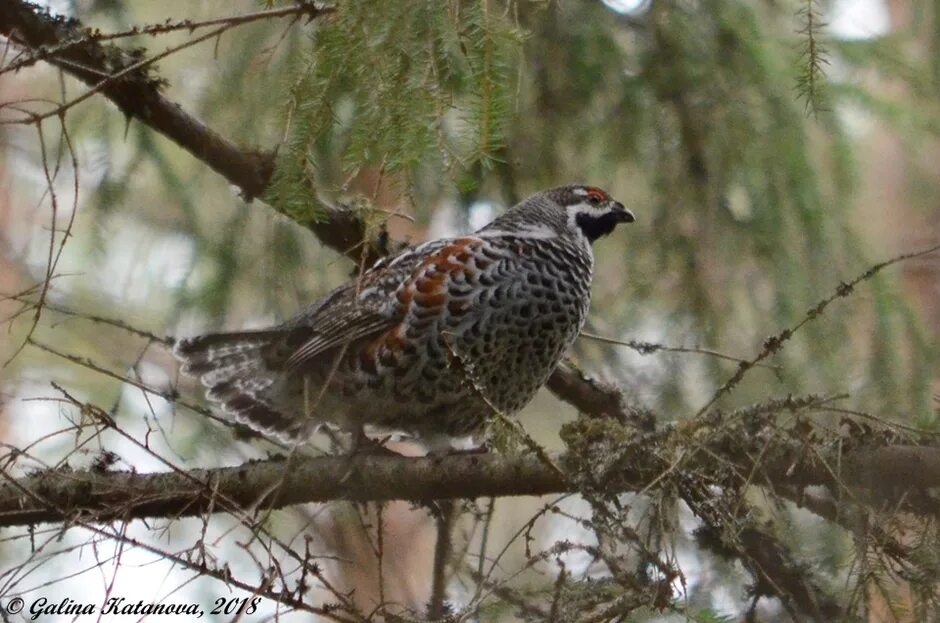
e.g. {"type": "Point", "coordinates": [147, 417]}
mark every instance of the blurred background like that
{"type": "Point", "coordinates": [770, 151]}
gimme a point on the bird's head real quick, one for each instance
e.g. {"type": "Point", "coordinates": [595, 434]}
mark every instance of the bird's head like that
{"type": "Point", "coordinates": [574, 211]}
{"type": "Point", "coordinates": [589, 211]}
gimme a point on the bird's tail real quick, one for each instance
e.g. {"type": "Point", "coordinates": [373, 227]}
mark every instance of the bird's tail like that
{"type": "Point", "coordinates": [243, 373]}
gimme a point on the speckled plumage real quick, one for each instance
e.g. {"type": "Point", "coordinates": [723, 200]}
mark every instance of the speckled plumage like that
{"type": "Point", "coordinates": [429, 341]}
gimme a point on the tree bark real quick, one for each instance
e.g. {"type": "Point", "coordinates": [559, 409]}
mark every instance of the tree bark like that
{"type": "Point", "coordinates": [58, 495]}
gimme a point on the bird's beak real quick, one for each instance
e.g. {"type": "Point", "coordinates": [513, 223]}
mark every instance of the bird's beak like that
{"type": "Point", "coordinates": [623, 215]}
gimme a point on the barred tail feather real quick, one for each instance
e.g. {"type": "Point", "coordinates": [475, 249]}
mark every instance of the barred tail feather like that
{"type": "Point", "coordinates": [238, 372]}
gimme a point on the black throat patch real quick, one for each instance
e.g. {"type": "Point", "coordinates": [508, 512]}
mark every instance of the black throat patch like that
{"type": "Point", "coordinates": [596, 226]}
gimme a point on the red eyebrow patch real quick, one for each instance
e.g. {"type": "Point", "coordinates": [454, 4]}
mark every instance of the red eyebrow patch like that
{"type": "Point", "coordinates": [597, 193]}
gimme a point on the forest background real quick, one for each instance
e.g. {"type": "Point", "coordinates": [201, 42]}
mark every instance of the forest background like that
{"type": "Point", "coordinates": [758, 426]}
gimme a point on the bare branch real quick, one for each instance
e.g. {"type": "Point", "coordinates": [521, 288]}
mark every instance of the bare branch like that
{"type": "Point", "coordinates": [57, 495]}
{"type": "Point", "coordinates": [595, 398]}
{"type": "Point", "coordinates": [896, 467]}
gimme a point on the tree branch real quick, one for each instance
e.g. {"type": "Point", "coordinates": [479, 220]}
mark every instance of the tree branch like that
{"type": "Point", "coordinates": [596, 398]}
{"type": "Point", "coordinates": [57, 495]}
{"type": "Point", "coordinates": [136, 93]}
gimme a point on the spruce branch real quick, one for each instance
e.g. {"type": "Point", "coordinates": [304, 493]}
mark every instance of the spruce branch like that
{"type": "Point", "coordinates": [130, 82]}
{"type": "Point", "coordinates": [814, 57]}
{"type": "Point", "coordinates": [132, 86]}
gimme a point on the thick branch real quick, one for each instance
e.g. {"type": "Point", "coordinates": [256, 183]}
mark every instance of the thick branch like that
{"type": "Point", "coordinates": [55, 495]}
{"type": "Point", "coordinates": [596, 398]}
{"type": "Point", "coordinates": [888, 475]}
{"type": "Point", "coordinates": [137, 94]}
{"type": "Point", "coordinates": [775, 570]}
{"type": "Point", "coordinates": [102, 496]}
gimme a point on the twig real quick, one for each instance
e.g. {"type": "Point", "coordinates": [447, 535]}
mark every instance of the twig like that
{"type": "Point", "coordinates": [776, 342]}
{"type": "Point", "coordinates": [96, 36]}
{"type": "Point", "coordinates": [119, 324]}
{"type": "Point", "coordinates": [648, 348]}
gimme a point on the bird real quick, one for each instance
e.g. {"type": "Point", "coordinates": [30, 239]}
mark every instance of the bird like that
{"type": "Point", "coordinates": [431, 342]}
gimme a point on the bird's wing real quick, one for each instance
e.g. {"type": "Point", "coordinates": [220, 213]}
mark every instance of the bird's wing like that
{"type": "Point", "coordinates": [364, 307]}
{"type": "Point", "coordinates": [345, 325]}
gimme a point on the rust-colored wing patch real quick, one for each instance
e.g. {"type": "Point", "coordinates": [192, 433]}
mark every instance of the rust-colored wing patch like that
{"type": "Point", "coordinates": [426, 293]}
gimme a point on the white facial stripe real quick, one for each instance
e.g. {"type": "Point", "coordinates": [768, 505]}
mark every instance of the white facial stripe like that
{"type": "Point", "coordinates": [585, 208]}
{"type": "Point", "coordinates": [532, 230]}
{"type": "Point", "coordinates": [595, 210]}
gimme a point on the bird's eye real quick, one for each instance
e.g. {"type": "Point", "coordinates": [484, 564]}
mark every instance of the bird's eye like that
{"type": "Point", "coordinates": [595, 196]}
